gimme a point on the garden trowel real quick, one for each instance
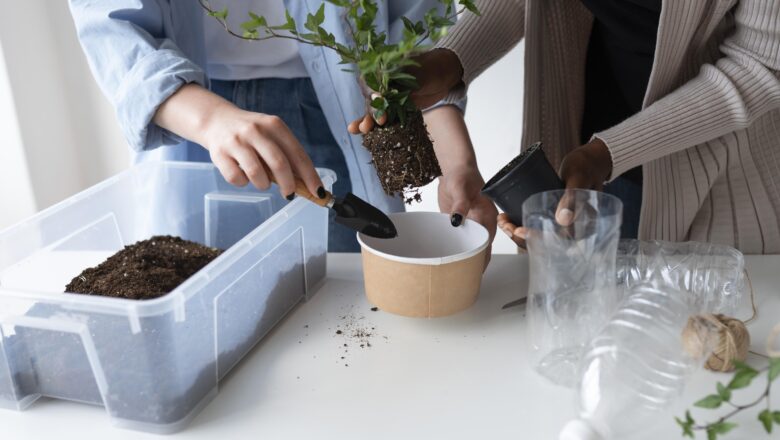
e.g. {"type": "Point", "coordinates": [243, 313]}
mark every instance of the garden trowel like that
{"type": "Point", "coordinates": [352, 212]}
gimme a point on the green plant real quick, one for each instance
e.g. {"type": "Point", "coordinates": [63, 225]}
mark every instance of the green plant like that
{"type": "Point", "coordinates": [743, 377]}
{"type": "Point", "coordinates": [381, 64]}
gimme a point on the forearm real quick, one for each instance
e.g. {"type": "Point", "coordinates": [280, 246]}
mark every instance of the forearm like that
{"type": "Point", "coordinates": [461, 183]}
{"type": "Point", "coordinates": [451, 140]}
{"type": "Point", "coordinates": [136, 67]}
{"type": "Point", "coordinates": [479, 41]}
{"type": "Point", "coordinates": [188, 112]}
{"type": "Point", "coordinates": [726, 96]}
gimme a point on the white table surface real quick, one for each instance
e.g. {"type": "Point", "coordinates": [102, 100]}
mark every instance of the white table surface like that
{"type": "Point", "coordinates": [461, 377]}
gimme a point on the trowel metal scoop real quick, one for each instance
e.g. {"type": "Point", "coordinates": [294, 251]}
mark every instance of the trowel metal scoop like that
{"type": "Point", "coordinates": [355, 213]}
{"type": "Point", "coordinates": [352, 212]}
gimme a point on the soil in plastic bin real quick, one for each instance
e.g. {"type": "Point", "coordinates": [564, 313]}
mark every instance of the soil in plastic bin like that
{"type": "Point", "coordinates": [157, 376]}
{"type": "Point", "coordinates": [145, 270]}
{"type": "Point", "coordinates": [403, 156]}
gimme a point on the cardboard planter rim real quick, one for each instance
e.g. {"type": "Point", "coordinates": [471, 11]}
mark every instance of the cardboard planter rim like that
{"type": "Point", "coordinates": [436, 241]}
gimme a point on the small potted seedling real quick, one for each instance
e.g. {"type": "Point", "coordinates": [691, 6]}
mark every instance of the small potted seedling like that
{"type": "Point", "coordinates": [402, 151]}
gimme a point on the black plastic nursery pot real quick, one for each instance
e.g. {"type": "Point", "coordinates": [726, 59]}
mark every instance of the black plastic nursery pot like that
{"type": "Point", "coordinates": [527, 174]}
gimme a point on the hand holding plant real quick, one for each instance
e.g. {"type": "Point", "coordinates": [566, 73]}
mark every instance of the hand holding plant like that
{"type": "Point", "coordinates": [402, 151]}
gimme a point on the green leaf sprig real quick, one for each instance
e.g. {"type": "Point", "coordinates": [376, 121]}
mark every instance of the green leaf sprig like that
{"type": "Point", "coordinates": [382, 65]}
{"type": "Point", "coordinates": [743, 377]}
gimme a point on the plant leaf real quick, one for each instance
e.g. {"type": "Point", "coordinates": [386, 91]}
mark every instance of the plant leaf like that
{"type": "Point", "coordinates": [469, 4]}
{"type": "Point", "coordinates": [739, 366]}
{"type": "Point", "coordinates": [379, 103]}
{"type": "Point", "coordinates": [710, 402]}
{"type": "Point", "coordinates": [319, 16]}
{"type": "Point", "coordinates": [776, 417]}
{"type": "Point", "coordinates": [289, 25]}
{"type": "Point", "coordinates": [724, 392]}
{"type": "Point", "coordinates": [742, 378]}
{"type": "Point", "coordinates": [222, 15]}
{"type": "Point", "coordinates": [774, 368]}
{"type": "Point", "coordinates": [686, 427]}
{"type": "Point", "coordinates": [766, 419]}
{"type": "Point", "coordinates": [723, 427]}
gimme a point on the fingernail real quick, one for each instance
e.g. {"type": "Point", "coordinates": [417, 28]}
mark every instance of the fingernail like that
{"type": "Point", "coordinates": [291, 197]}
{"type": "Point", "coordinates": [565, 216]}
{"type": "Point", "coordinates": [456, 220]}
{"type": "Point", "coordinates": [321, 193]}
{"type": "Point", "coordinates": [519, 232]}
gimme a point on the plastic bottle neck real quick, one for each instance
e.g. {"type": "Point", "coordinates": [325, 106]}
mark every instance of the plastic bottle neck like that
{"type": "Point", "coordinates": [580, 429]}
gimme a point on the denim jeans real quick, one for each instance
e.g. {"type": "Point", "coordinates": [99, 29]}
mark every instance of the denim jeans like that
{"type": "Point", "coordinates": [295, 101]}
{"type": "Point", "coordinates": [629, 191]}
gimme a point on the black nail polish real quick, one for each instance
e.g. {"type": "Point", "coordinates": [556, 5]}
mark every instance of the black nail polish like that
{"type": "Point", "coordinates": [456, 220]}
{"type": "Point", "coordinates": [321, 193]}
{"type": "Point", "coordinates": [291, 197]}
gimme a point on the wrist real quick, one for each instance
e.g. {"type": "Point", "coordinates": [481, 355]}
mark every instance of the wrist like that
{"type": "Point", "coordinates": [466, 171]}
{"type": "Point", "coordinates": [191, 112]}
{"type": "Point", "coordinates": [450, 67]}
{"type": "Point", "coordinates": [458, 163]}
{"type": "Point", "coordinates": [208, 119]}
{"type": "Point", "coordinates": [600, 156]}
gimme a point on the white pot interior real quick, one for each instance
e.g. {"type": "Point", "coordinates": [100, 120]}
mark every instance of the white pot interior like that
{"type": "Point", "coordinates": [428, 238]}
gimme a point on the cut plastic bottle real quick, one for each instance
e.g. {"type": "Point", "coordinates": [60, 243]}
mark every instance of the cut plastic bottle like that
{"type": "Point", "coordinates": [712, 274]}
{"type": "Point", "coordinates": [571, 288]}
{"type": "Point", "coordinates": [636, 366]}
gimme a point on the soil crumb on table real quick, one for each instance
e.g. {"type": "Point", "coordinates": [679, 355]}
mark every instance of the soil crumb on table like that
{"type": "Point", "coordinates": [145, 270]}
{"type": "Point", "coordinates": [355, 331]}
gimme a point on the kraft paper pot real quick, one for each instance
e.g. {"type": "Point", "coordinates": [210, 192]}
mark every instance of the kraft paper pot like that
{"type": "Point", "coordinates": [431, 269]}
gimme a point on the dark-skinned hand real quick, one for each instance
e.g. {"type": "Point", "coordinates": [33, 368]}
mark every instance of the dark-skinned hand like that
{"type": "Point", "coordinates": [587, 167]}
{"type": "Point", "coordinates": [439, 71]}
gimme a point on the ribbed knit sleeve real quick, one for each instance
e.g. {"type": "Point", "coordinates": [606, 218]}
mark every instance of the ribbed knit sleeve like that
{"type": "Point", "coordinates": [480, 40]}
{"type": "Point", "coordinates": [724, 97]}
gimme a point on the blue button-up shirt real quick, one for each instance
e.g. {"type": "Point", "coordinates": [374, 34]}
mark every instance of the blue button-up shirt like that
{"type": "Point", "coordinates": [142, 51]}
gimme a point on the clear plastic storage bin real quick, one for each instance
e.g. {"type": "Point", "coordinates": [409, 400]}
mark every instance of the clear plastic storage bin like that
{"type": "Point", "coordinates": [152, 364]}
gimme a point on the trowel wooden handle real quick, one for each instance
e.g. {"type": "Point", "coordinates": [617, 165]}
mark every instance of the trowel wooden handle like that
{"type": "Point", "coordinates": [302, 191]}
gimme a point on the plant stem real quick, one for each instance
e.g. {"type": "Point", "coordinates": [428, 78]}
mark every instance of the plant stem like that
{"type": "Point", "coordinates": [428, 32]}
{"type": "Point", "coordinates": [739, 408]}
{"type": "Point", "coordinates": [207, 6]}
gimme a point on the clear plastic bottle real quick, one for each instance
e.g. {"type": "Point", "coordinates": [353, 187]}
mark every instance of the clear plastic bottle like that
{"type": "Point", "coordinates": [571, 287]}
{"type": "Point", "coordinates": [712, 274]}
{"type": "Point", "coordinates": [636, 366]}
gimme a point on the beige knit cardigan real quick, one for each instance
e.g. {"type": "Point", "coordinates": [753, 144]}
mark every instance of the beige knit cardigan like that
{"type": "Point", "coordinates": [708, 136]}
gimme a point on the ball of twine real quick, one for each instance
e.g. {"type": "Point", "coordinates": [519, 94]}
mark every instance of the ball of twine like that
{"type": "Point", "coordinates": [732, 340]}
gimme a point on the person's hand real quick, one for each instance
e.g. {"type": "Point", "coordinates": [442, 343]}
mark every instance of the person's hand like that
{"type": "Point", "coordinates": [245, 146]}
{"type": "Point", "coordinates": [460, 197]}
{"type": "Point", "coordinates": [587, 167]}
{"type": "Point", "coordinates": [514, 232]}
{"type": "Point", "coordinates": [254, 147]}
{"type": "Point", "coordinates": [439, 71]}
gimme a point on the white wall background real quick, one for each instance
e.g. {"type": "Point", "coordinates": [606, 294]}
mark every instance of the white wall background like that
{"type": "Point", "coordinates": [58, 134]}
{"type": "Point", "coordinates": [70, 138]}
